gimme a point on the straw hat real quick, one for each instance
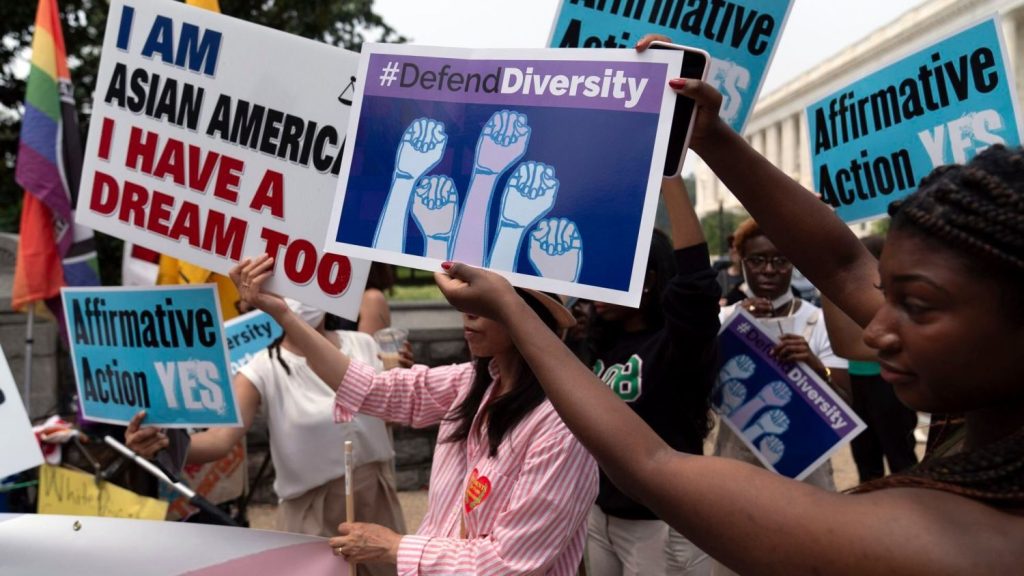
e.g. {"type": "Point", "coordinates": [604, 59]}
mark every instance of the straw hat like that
{"type": "Point", "coordinates": [554, 304]}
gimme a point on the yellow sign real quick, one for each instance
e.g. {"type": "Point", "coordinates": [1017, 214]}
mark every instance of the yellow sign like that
{"type": "Point", "coordinates": [64, 491]}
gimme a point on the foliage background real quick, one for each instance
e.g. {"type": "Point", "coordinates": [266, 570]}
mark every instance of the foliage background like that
{"type": "Point", "coordinates": [345, 23]}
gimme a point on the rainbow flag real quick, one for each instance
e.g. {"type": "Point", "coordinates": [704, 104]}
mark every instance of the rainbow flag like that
{"type": "Point", "coordinates": [52, 250]}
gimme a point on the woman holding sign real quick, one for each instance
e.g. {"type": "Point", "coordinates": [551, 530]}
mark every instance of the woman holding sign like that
{"type": "Point", "coordinates": [660, 360]}
{"type": "Point", "coordinates": [799, 324]}
{"type": "Point", "coordinates": [305, 441]}
{"type": "Point", "coordinates": [948, 325]}
{"type": "Point", "coordinates": [510, 485]}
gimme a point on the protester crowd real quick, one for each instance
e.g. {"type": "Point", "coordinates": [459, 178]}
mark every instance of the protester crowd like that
{"type": "Point", "coordinates": [574, 439]}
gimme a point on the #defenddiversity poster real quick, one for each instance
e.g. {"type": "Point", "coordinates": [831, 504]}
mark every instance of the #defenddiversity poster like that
{"type": "Point", "coordinates": [544, 165]}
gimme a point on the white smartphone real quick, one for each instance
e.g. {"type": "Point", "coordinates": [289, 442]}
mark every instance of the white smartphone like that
{"type": "Point", "coordinates": [695, 65]}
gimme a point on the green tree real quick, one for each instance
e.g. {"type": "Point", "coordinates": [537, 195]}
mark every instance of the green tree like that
{"type": "Point", "coordinates": [718, 225]}
{"type": "Point", "coordinates": [346, 23]}
{"type": "Point", "coordinates": [880, 226]}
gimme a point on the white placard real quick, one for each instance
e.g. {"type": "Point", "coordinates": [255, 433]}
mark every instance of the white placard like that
{"type": "Point", "coordinates": [19, 449]}
{"type": "Point", "coordinates": [213, 139]}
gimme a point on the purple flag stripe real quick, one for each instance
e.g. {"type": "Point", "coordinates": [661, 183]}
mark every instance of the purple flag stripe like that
{"type": "Point", "coordinates": [39, 132]}
{"type": "Point", "coordinates": [40, 176]}
{"type": "Point", "coordinates": [81, 272]}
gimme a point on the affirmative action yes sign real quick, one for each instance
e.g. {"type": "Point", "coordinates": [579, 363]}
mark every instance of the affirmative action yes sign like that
{"type": "Point", "coordinates": [213, 139]}
{"type": "Point", "coordinates": [161, 350]}
{"type": "Point", "coordinates": [875, 140]}
{"type": "Point", "coordinates": [740, 35]}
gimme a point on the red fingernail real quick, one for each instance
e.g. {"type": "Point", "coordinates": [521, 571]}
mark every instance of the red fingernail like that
{"type": "Point", "coordinates": [446, 265]}
{"type": "Point", "coordinates": [677, 82]}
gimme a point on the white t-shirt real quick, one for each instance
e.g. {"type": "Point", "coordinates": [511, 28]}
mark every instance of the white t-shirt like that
{"type": "Point", "coordinates": [816, 335]}
{"type": "Point", "coordinates": [306, 445]}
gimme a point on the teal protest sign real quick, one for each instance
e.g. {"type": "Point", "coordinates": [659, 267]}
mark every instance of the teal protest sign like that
{"type": "Point", "coordinates": [873, 141]}
{"type": "Point", "coordinates": [740, 35]}
{"type": "Point", "coordinates": [247, 335]}
{"type": "Point", "coordinates": [161, 350]}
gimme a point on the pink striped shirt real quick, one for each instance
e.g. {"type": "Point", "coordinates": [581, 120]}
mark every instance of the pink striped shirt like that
{"type": "Point", "coordinates": [524, 511]}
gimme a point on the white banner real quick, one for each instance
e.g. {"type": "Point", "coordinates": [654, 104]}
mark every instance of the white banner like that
{"type": "Point", "coordinates": [19, 449]}
{"type": "Point", "coordinates": [48, 544]}
{"type": "Point", "coordinates": [213, 139]}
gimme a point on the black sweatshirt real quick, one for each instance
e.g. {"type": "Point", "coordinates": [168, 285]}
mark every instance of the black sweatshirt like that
{"type": "Point", "coordinates": [676, 366]}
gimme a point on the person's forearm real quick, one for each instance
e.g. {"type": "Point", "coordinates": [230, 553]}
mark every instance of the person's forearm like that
{"type": "Point", "coordinates": [797, 221]}
{"type": "Point", "coordinates": [323, 357]}
{"type": "Point", "coordinates": [686, 229]}
{"type": "Point", "coordinates": [622, 443]}
{"type": "Point", "coordinates": [845, 336]}
{"type": "Point", "coordinates": [213, 444]}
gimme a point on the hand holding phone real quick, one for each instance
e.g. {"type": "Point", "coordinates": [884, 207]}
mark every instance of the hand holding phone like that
{"type": "Point", "coordinates": [695, 65]}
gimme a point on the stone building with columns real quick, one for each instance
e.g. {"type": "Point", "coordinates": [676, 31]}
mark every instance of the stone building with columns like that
{"type": "Point", "coordinates": [778, 125]}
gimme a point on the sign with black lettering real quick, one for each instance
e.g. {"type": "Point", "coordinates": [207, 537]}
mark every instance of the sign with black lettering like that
{"type": "Point", "coordinates": [873, 141]}
{"type": "Point", "coordinates": [214, 139]}
{"type": "Point", "coordinates": [161, 350]}
{"type": "Point", "coordinates": [740, 35]}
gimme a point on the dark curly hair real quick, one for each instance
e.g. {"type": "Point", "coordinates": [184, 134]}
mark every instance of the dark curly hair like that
{"type": "Point", "coordinates": [977, 212]}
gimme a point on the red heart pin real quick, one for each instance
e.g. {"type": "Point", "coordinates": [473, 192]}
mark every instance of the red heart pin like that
{"type": "Point", "coordinates": [477, 490]}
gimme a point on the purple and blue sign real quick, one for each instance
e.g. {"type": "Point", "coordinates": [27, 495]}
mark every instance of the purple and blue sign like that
{"type": "Point", "coordinates": [538, 164]}
{"type": "Point", "coordinates": [783, 412]}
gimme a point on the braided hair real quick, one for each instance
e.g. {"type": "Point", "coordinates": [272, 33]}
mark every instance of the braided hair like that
{"type": "Point", "coordinates": [977, 211]}
{"type": "Point", "coordinates": [275, 348]}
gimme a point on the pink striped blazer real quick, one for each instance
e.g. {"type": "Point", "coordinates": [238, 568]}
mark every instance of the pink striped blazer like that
{"type": "Point", "coordinates": [522, 512]}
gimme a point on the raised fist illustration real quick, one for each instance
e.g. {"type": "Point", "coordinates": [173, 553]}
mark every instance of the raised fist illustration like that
{"type": "Point", "coordinates": [502, 141]}
{"type": "Point", "coordinates": [772, 448]}
{"type": "Point", "coordinates": [421, 148]}
{"type": "Point", "coordinates": [529, 194]}
{"type": "Point", "coordinates": [771, 422]}
{"type": "Point", "coordinates": [738, 367]}
{"type": "Point", "coordinates": [433, 211]}
{"type": "Point", "coordinates": [775, 394]}
{"type": "Point", "coordinates": [556, 249]}
{"type": "Point", "coordinates": [734, 393]}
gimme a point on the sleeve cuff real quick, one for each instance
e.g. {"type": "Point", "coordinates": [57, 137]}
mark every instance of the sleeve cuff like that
{"type": "Point", "coordinates": [410, 550]}
{"type": "Point", "coordinates": [352, 390]}
{"type": "Point", "coordinates": [693, 259]}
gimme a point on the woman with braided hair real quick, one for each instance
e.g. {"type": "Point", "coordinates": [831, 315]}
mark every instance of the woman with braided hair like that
{"type": "Point", "coordinates": [942, 309]}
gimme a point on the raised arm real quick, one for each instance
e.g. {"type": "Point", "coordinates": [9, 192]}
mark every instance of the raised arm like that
{"type": "Point", "coordinates": [323, 357]}
{"type": "Point", "coordinates": [374, 312]}
{"type": "Point", "coordinates": [686, 229]}
{"type": "Point", "coordinates": [690, 301]}
{"type": "Point", "coordinates": [215, 443]}
{"type": "Point", "coordinates": [846, 336]}
{"type": "Point", "coordinates": [795, 219]}
{"type": "Point", "coordinates": [785, 527]}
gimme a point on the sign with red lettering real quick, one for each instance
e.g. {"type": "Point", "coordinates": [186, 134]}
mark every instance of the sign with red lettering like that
{"type": "Point", "coordinates": [213, 139]}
